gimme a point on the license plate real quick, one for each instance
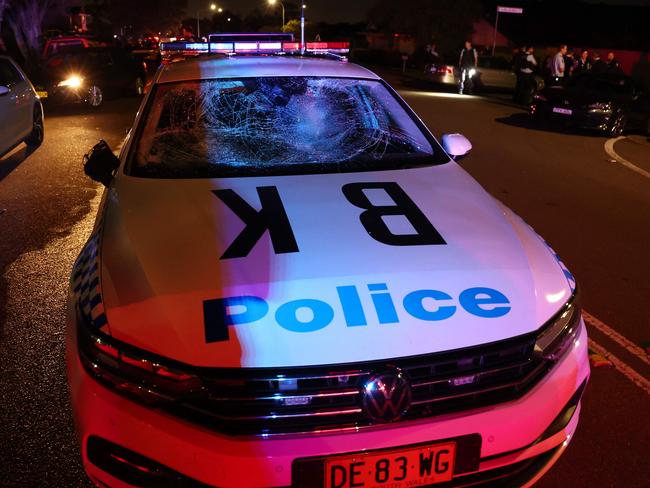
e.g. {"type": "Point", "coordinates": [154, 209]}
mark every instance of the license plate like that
{"type": "Point", "coordinates": [564, 111]}
{"type": "Point", "coordinates": [399, 468]}
{"type": "Point", "coordinates": [42, 94]}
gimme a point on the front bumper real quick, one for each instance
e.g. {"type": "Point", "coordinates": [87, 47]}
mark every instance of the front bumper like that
{"type": "Point", "coordinates": [513, 434]}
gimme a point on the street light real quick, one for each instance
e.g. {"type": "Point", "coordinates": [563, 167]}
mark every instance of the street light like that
{"type": "Point", "coordinates": [273, 2]}
{"type": "Point", "coordinates": [213, 7]}
{"type": "Point", "coordinates": [302, 29]}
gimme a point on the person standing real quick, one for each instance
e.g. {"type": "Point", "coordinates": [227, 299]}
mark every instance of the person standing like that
{"type": "Point", "coordinates": [433, 52]}
{"type": "Point", "coordinates": [467, 64]}
{"type": "Point", "coordinates": [518, 60]}
{"type": "Point", "coordinates": [583, 64]}
{"type": "Point", "coordinates": [527, 77]}
{"type": "Point", "coordinates": [569, 61]}
{"type": "Point", "coordinates": [557, 65]}
{"type": "Point", "coordinates": [613, 66]}
{"type": "Point", "coordinates": [598, 67]}
{"type": "Point", "coordinates": [431, 57]}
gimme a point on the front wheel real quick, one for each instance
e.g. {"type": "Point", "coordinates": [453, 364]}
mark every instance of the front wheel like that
{"type": "Point", "coordinates": [94, 96]}
{"type": "Point", "coordinates": [35, 137]}
{"type": "Point", "coordinates": [618, 125]}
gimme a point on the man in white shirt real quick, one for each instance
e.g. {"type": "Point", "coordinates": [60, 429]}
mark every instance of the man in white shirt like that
{"type": "Point", "coordinates": [557, 66]}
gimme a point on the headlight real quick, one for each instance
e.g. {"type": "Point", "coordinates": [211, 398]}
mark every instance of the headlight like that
{"type": "Point", "coordinates": [131, 371]}
{"type": "Point", "coordinates": [600, 107]}
{"type": "Point", "coordinates": [558, 334]}
{"type": "Point", "coordinates": [472, 72]}
{"type": "Point", "coordinates": [73, 81]}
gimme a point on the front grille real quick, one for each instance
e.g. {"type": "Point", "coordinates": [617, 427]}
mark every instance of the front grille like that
{"type": "Point", "coordinates": [309, 399]}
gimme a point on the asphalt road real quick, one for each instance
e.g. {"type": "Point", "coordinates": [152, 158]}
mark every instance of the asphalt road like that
{"type": "Point", "coordinates": [591, 208]}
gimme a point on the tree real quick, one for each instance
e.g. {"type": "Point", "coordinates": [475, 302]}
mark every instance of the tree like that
{"type": "Point", "coordinates": [448, 22]}
{"type": "Point", "coordinates": [293, 26]}
{"type": "Point", "coordinates": [3, 6]}
{"type": "Point", "coordinates": [25, 19]}
{"type": "Point", "coordinates": [141, 16]}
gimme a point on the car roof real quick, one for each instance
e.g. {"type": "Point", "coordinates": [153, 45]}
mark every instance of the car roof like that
{"type": "Point", "coordinates": [212, 67]}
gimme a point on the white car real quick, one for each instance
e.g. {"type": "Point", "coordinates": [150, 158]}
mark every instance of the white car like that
{"type": "Point", "coordinates": [291, 283]}
{"type": "Point", "coordinates": [492, 72]}
{"type": "Point", "coordinates": [21, 112]}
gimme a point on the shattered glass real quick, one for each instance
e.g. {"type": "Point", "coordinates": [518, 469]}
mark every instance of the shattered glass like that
{"type": "Point", "coordinates": [276, 125]}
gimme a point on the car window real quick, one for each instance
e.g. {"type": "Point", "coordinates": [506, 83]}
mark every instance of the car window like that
{"type": "Point", "coordinates": [63, 46]}
{"type": "Point", "coordinates": [277, 125]}
{"type": "Point", "coordinates": [501, 63]}
{"type": "Point", "coordinates": [493, 63]}
{"type": "Point", "coordinates": [9, 75]}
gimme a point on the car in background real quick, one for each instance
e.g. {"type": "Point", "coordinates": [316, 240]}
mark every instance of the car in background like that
{"type": "Point", "coordinates": [492, 73]}
{"type": "Point", "coordinates": [61, 44]}
{"type": "Point", "coordinates": [21, 112]}
{"type": "Point", "coordinates": [608, 103]}
{"type": "Point", "coordinates": [91, 75]}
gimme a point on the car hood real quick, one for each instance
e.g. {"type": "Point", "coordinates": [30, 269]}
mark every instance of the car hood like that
{"type": "Point", "coordinates": [167, 288]}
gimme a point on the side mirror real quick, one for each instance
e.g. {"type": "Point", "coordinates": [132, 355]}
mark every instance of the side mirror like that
{"type": "Point", "coordinates": [4, 90]}
{"type": "Point", "coordinates": [100, 163]}
{"type": "Point", "coordinates": [456, 145]}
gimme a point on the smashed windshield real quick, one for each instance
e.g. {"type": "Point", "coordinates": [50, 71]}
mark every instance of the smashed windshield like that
{"type": "Point", "coordinates": [277, 125]}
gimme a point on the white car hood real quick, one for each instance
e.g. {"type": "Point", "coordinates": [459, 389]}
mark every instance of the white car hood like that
{"type": "Point", "coordinates": [160, 264]}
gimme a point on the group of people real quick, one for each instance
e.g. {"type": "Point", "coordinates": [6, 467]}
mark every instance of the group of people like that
{"type": "Point", "coordinates": [564, 64]}
{"type": "Point", "coordinates": [557, 68]}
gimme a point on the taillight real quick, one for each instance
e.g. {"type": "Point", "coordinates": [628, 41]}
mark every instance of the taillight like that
{"type": "Point", "coordinates": [448, 70]}
{"type": "Point", "coordinates": [134, 372]}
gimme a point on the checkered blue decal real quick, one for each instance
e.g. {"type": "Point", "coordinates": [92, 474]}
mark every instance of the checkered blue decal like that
{"type": "Point", "coordinates": [86, 283]}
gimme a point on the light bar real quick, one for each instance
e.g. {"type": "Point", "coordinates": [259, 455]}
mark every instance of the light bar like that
{"type": "Point", "coordinates": [328, 47]}
{"type": "Point", "coordinates": [251, 47]}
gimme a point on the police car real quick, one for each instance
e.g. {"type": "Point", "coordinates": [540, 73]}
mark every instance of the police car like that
{"type": "Point", "coordinates": [291, 282]}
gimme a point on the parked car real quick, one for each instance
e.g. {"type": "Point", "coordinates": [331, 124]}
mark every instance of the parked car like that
{"type": "Point", "coordinates": [60, 44]}
{"type": "Point", "coordinates": [91, 75]}
{"type": "Point", "coordinates": [492, 73]}
{"type": "Point", "coordinates": [291, 282]}
{"type": "Point", "coordinates": [610, 104]}
{"type": "Point", "coordinates": [21, 112]}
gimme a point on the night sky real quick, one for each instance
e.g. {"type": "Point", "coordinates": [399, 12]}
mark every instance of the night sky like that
{"type": "Point", "coordinates": [317, 10]}
{"type": "Point", "coordinates": [344, 10]}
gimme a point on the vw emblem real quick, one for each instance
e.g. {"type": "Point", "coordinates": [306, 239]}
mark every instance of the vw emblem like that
{"type": "Point", "coordinates": [387, 396]}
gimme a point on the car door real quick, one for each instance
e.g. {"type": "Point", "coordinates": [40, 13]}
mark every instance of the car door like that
{"type": "Point", "coordinates": [15, 105]}
{"type": "Point", "coordinates": [501, 74]}
{"type": "Point", "coordinates": [490, 76]}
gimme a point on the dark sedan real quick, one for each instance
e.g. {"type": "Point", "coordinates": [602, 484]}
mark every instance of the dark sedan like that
{"type": "Point", "coordinates": [611, 104]}
{"type": "Point", "coordinates": [93, 74]}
